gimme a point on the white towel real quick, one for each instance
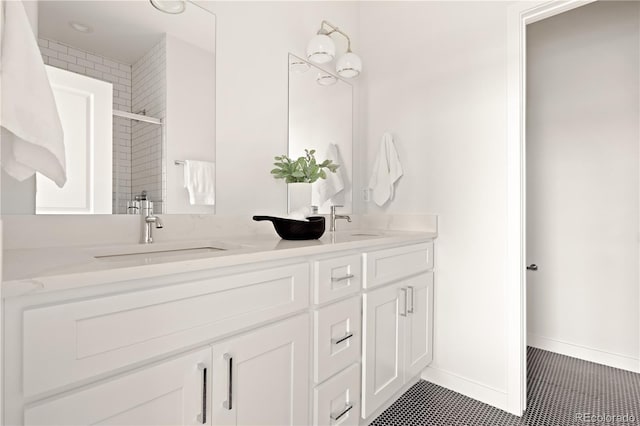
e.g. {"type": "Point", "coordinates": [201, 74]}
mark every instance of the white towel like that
{"type": "Point", "coordinates": [199, 179]}
{"type": "Point", "coordinates": [334, 183]}
{"type": "Point", "coordinates": [32, 137]}
{"type": "Point", "coordinates": [386, 171]}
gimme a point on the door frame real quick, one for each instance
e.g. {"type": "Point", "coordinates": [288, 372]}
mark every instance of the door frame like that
{"type": "Point", "coordinates": [519, 16]}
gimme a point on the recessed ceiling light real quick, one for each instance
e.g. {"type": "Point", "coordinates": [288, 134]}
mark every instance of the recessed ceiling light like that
{"type": "Point", "coordinates": [173, 7]}
{"type": "Point", "coordinates": [82, 28]}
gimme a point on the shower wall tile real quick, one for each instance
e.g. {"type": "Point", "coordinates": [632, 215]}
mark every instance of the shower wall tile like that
{"type": "Point", "coordinates": [148, 96]}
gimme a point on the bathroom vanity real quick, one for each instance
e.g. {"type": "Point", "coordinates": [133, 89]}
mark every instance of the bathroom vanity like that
{"type": "Point", "coordinates": [260, 331]}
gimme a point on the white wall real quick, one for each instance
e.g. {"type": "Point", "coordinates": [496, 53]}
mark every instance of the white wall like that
{"type": "Point", "coordinates": [435, 74]}
{"type": "Point", "coordinates": [253, 40]}
{"type": "Point", "coordinates": [583, 184]}
{"type": "Point", "coordinates": [190, 125]}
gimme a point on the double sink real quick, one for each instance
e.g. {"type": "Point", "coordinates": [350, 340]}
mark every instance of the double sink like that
{"type": "Point", "coordinates": [192, 249]}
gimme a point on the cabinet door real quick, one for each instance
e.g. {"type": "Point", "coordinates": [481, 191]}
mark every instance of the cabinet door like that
{"type": "Point", "coordinates": [262, 377]}
{"type": "Point", "coordinates": [169, 393]}
{"type": "Point", "coordinates": [419, 324]}
{"type": "Point", "coordinates": [383, 341]}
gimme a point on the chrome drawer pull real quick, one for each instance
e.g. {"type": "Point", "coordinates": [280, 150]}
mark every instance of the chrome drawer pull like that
{"type": "Point", "coordinates": [228, 404]}
{"type": "Point", "coordinates": [410, 310]}
{"type": "Point", "coordinates": [346, 277]}
{"type": "Point", "coordinates": [342, 339]}
{"type": "Point", "coordinates": [345, 411]}
{"type": "Point", "coordinates": [202, 418]}
{"type": "Point", "coordinates": [404, 296]}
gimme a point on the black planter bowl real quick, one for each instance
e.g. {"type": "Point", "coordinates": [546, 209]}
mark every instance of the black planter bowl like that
{"type": "Point", "coordinates": [291, 229]}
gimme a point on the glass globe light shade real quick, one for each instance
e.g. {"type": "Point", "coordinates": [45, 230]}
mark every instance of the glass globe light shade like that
{"type": "Point", "coordinates": [326, 80]}
{"type": "Point", "coordinates": [349, 65]}
{"type": "Point", "coordinates": [172, 7]}
{"type": "Point", "coordinates": [321, 49]}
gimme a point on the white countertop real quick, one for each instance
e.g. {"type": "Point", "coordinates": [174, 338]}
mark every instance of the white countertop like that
{"type": "Point", "coordinates": [30, 271]}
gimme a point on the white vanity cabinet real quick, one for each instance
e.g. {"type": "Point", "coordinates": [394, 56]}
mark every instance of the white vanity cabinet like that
{"type": "Point", "coordinates": [397, 324]}
{"type": "Point", "coordinates": [321, 339]}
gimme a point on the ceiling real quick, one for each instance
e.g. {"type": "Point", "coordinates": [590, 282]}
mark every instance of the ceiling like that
{"type": "Point", "coordinates": [123, 30]}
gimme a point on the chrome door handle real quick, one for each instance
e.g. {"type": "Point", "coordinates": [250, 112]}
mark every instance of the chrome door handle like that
{"type": "Point", "coordinates": [202, 417]}
{"type": "Point", "coordinates": [410, 310]}
{"type": "Point", "coordinates": [532, 267]}
{"type": "Point", "coordinates": [228, 404]}
{"type": "Point", "coordinates": [342, 339]}
{"type": "Point", "coordinates": [336, 417]}
{"type": "Point", "coordinates": [404, 312]}
{"type": "Point", "coordinates": [346, 277]}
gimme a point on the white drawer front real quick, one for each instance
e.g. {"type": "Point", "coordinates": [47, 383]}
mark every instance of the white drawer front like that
{"type": "Point", "coordinates": [337, 337]}
{"type": "Point", "coordinates": [337, 277]}
{"type": "Point", "coordinates": [69, 342]}
{"type": "Point", "coordinates": [384, 266]}
{"type": "Point", "coordinates": [337, 401]}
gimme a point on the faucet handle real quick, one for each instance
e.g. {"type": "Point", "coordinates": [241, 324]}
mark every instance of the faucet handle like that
{"type": "Point", "coordinates": [334, 206]}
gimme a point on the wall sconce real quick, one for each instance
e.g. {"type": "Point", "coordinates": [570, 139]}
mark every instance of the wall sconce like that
{"type": "Point", "coordinates": [321, 49]}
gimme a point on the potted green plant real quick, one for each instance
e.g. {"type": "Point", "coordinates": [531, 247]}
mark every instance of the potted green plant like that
{"type": "Point", "coordinates": [299, 174]}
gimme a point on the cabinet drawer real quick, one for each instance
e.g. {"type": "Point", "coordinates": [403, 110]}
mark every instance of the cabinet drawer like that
{"type": "Point", "coordinates": [70, 342]}
{"type": "Point", "coordinates": [337, 337]}
{"type": "Point", "coordinates": [384, 266]}
{"type": "Point", "coordinates": [337, 401]}
{"type": "Point", "coordinates": [336, 277]}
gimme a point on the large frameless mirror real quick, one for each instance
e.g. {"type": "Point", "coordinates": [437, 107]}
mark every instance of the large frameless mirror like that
{"type": "Point", "coordinates": [321, 119]}
{"type": "Point", "coordinates": [135, 90]}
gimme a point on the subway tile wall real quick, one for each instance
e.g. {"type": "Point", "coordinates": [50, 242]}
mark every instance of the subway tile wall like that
{"type": "Point", "coordinates": [147, 145]}
{"type": "Point", "coordinates": [137, 147]}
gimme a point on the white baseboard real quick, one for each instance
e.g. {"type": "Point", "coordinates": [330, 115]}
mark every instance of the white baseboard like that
{"type": "Point", "coordinates": [585, 353]}
{"type": "Point", "coordinates": [467, 387]}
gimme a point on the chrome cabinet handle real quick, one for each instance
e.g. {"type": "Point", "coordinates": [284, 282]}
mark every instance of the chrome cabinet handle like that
{"type": "Point", "coordinates": [337, 417]}
{"type": "Point", "coordinates": [228, 404]}
{"type": "Point", "coordinates": [404, 312]}
{"type": "Point", "coordinates": [410, 310]}
{"type": "Point", "coordinates": [346, 277]}
{"type": "Point", "coordinates": [342, 339]}
{"type": "Point", "coordinates": [202, 417]}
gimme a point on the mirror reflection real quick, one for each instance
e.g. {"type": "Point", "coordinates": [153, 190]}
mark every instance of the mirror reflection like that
{"type": "Point", "coordinates": [135, 91]}
{"type": "Point", "coordinates": [321, 119]}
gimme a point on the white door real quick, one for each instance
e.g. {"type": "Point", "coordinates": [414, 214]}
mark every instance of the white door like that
{"type": "Point", "coordinates": [168, 393]}
{"type": "Point", "coordinates": [419, 324]}
{"type": "Point", "coordinates": [383, 342]}
{"type": "Point", "coordinates": [262, 377]}
{"type": "Point", "coordinates": [85, 108]}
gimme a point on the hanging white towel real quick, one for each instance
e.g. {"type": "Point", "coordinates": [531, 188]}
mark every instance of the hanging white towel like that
{"type": "Point", "coordinates": [199, 179]}
{"type": "Point", "coordinates": [32, 137]}
{"type": "Point", "coordinates": [386, 171]}
{"type": "Point", "coordinates": [334, 183]}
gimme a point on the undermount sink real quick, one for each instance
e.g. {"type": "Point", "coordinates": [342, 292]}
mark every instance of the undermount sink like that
{"type": "Point", "coordinates": [162, 250]}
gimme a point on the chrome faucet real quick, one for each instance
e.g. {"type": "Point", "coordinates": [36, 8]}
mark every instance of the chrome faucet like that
{"type": "Point", "coordinates": [334, 216]}
{"type": "Point", "coordinates": [149, 219]}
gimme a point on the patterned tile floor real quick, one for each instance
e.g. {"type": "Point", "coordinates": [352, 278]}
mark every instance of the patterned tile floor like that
{"type": "Point", "coordinates": [561, 391]}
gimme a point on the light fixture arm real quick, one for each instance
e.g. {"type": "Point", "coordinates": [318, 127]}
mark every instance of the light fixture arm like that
{"type": "Point", "coordinates": [334, 29]}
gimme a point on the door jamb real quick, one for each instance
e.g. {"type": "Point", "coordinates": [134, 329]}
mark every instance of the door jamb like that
{"type": "Point", "coordinates": [518, 17]}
